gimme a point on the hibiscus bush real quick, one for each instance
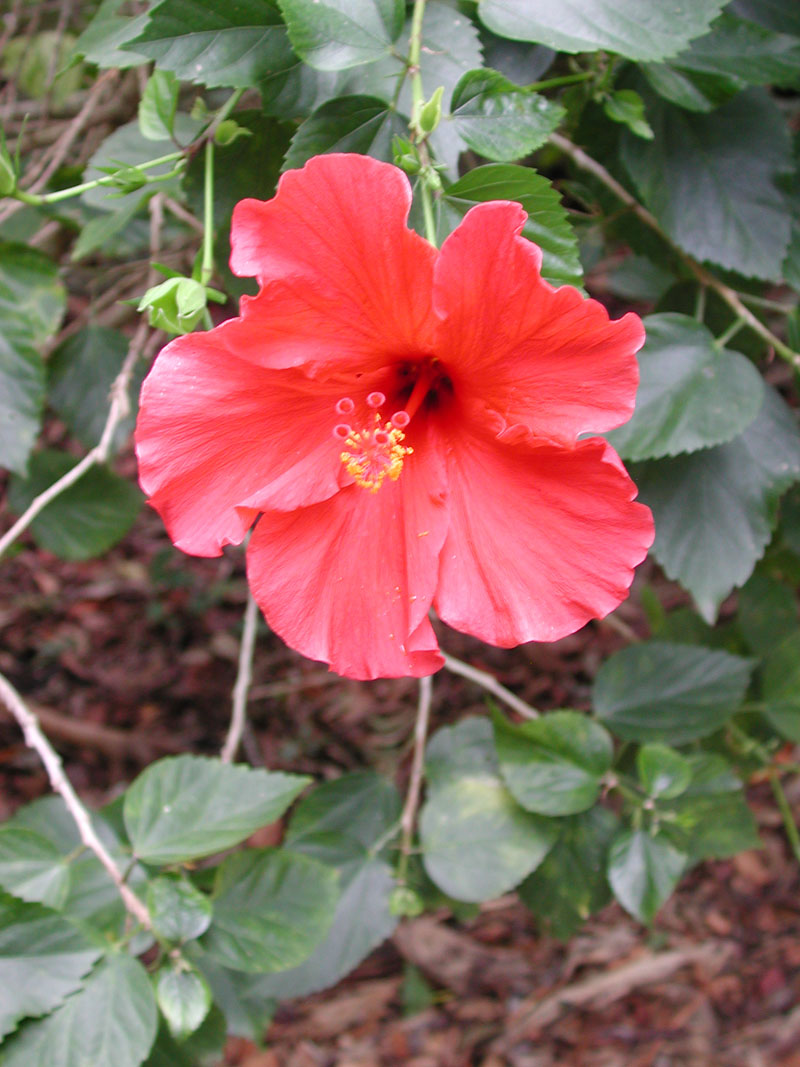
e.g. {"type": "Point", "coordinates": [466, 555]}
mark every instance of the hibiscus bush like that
{"type": "Point", "coordinates": [450, 314]}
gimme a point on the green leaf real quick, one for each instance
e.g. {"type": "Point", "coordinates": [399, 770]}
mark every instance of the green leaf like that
{"type": "Point", "coordinates": [663, 772]}
{"type": "Point", "coordinates": [360, 124]}
{"type": "Point", "coordinates": [43, 959]}
{"type": "Point", "coordinates": [570, 884]}
{"type": "Point", "coordinates": [241, 997]}
{"type": "Point", "coordinates": [691, 395]}
{"type": "Point", "coordinates": [476, 842]}
{"type": "Point", "coordinates": [184, 998]}
{"type": "Point", "coordinates": [643, 869]}
{"type": "Point", "coordinates": [330, 35]}
{"type": "Point", "coordinates": [32, 868]}
{"type": "Point", "coordinates": [498, 119]}
{"type": "Point", "coordinates": [711, 819]}
{"type": "Point", "coordinates": [547, 225]}
{"type": "Point", "coordinates": [87, 518]}
{"type": "Point", "coordinates": [781, 687]}
{"type": "Point", "coordinates": [709, 180]}
{"type": "Point", "coordinates": [553, 765]}
{"type": "Point", "coordinates": [180, 912]}
{"type": "Point", "coordinates": [767, 613]}
{"type": "Point", "coordinates": [466, 749]}
{"type": "Point", "coordinates": [112, 1020]}
{"type": "Point", "coordinates": [103, 226]}
{"type": "Point", "coordinates": [715, 510]}
{"type": "Point", "coordinates": [184, 807]}
{"type": "Point", "coordinates": [158, 105]}
{"type": "Point", "coordinates": [744, 51]}
{"type": "Point", "coordinates": [340, 823]}
{"type": "Point", "coordinates": [688, 89]}
{"type": "Point", "coordinates": [627, 107]}
{"type": "Point", "coordinates": [782, 16]}
{"type": "Point", "coordinates": [638, 29]}
{"type": "Point", "coordinates": [31, 305]}
{"type": "Point", "coordinates": [81, 372]}
{"type": "Point", "coordinates": [102, 40]}
{"type": "Point", "coordinates": [213, 44]}
{"type": "Point", "coordinates": [272, 908]}
{"type": "Point", "coordinates": [656, 691]}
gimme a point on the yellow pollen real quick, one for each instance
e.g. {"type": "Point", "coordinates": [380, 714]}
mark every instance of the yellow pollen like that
{"type": "Point", "coordinates": [373, 455]}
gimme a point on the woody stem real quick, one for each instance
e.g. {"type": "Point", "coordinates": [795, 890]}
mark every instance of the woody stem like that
{"type": "Point", "coordinates": [409, 816]}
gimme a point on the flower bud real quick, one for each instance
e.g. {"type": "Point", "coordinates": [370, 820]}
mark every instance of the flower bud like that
{"type": "Point", "coordinates": [176, 305]}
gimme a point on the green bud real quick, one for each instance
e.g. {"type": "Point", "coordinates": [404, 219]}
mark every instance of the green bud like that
{"type": "Point", "coordinates": [229, 131]}
{"type": "Point", "coordinates": [405, 902]}
{"type": "Point", "coordinates": [176, 305]}
{"type": "Point", "coordinates": [431, 112]}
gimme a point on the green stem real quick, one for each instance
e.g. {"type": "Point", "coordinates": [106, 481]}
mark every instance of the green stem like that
{"type": "Point", "coordinates": [207, 268]}
{"type": "Point", "coordinates": [414, 50]}
{"type": "Point", "coordinates": [726, 335]}
{"type": "Point", "coordinates": [427, 211]}
{"type": "Point", "coordinates": [566, 79]}
{"type": "Point", "coordinates": [789, 824]}
{"type": "Point", "coordinates": [76, 190]}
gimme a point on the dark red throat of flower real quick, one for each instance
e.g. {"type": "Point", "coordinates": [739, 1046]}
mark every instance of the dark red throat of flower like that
{"type": "Point", "coordinates": [375, 451]}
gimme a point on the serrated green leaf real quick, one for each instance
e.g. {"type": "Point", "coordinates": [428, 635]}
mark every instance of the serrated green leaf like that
{"type": "Point", "coordinates": [111, 1020]}
{"type": "Point", "coordinates": [715, 510]}
{"type": "Point", "coordinates": [43, 959]}
{"type": "Point", "coordinates": [184, 998]}
{"type": "Point", "coordinates": [547, 225]}
{"type": "Point", "coordinates": [656, 691]}
{"type": "Point", "coordinates": [710, 181]}
{"type": "Point", "coordinates": [691, 394]}
{"type": "Point", "coordinates": [158, 105]}
{"type": "Point", "coordinates": [102, 40]}
{"type": "Point", "coordinates": [643, 869]}
{"type": "Point", "coordinates": [627, 107]}
{"type": "Point", "coordinates": [553, 765]}
{"type": "Point", "coordinates": [184, 807]}
{"type": "Point", "coordinates": [570, 884]}
{"type": "Point", "coordinates": [781, 687]}
{"type": "Point", "coordinates": [179, 911]}
{"type": "Point", "coordinates": [663, 772]}
{"type": "Point", "coordinates": [32, 868]}
{"type": "Point", "coordinates": [476, 842]}
{"type": "Point", "coordinates": [691, 90]}
{"type": "Point", "coordinates": [638, 29]}
{"type": "Point", "coordinates": [498, 119]}
{"type": "Point", "coordinates": [330, 35]}
{"type": "Point", "coordinates": [81, 372]}
{"type": "Point", "coordinates": [87, 518]}
{"type": "Point", "coordinates": [31, 305]}
{"type": "Point", "coordinates": [340, 823]}
{"type": "Point", "coordinates": [360, 124]}
{"type": "Point", "coordinates": [211, 44]}
{"type": "Point", "coordinates": [272, 909]}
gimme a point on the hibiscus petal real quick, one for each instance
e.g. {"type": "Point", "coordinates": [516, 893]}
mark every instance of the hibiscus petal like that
{"type": "Point", "coordinates": [343, 277]}
{"type": "Point", "coordinates": [541, 539]}
{"type": "Point", "coordinates": [218, 439]}
{"type": "Point", "coordinates": [543, 358]}
{"type": "Point", "coordinates": [349, 581]}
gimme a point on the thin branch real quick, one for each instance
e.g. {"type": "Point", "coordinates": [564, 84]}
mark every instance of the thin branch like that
{"type": "Point", "coordinates": [705, 277]}
{"type": "Point", "coordinates": [242, 686]}
{"type": "Point", "coordinates": [789, 825]}
{"type": "Point", "coordinates": [409, 816]}
{"type": "Point", "coordinates": [491, 685]}
{"type": "Point", "coordinates": [36, 740]}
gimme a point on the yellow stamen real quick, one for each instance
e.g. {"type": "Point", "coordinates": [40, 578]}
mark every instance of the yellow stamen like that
{"type": "Point", "coordinates": [373, 455]}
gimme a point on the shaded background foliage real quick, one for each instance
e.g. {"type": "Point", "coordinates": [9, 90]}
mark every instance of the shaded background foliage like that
{"type": "Point", "coordinates": [655, 149]}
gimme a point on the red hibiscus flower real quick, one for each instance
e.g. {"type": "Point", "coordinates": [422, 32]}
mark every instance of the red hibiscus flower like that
{"type": "Point", "coordinates": [401, 426]}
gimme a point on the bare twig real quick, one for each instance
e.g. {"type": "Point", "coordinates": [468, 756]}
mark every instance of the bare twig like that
{"type": "Point", "coordinates": [491, 685]}
{"type": "Point", "coordinates": [36, 740]}
{"type": "Point", "coordinates": [409, 815]}
{"type": "Point", "coordinates": [705, 277]}
{"type": "Point", "coordinates": [243, 677]}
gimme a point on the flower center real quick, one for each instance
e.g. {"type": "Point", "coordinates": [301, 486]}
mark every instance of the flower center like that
{"type": "Point", "coordinates": [374, 452]}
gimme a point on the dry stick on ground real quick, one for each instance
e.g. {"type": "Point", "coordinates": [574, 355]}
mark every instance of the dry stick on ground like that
{"type": "Point", "coordinates": [243, 678]}
{"type": "Point", "coordinates": [730, 296]}
{"type": "Point", "coordinates": [36, 740]}
{"type": "Point", "coordinates": [491, 685]}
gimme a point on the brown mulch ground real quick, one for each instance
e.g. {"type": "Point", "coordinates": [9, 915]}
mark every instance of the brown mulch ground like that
{"type": "Point", "coordinates": [133, 656]}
